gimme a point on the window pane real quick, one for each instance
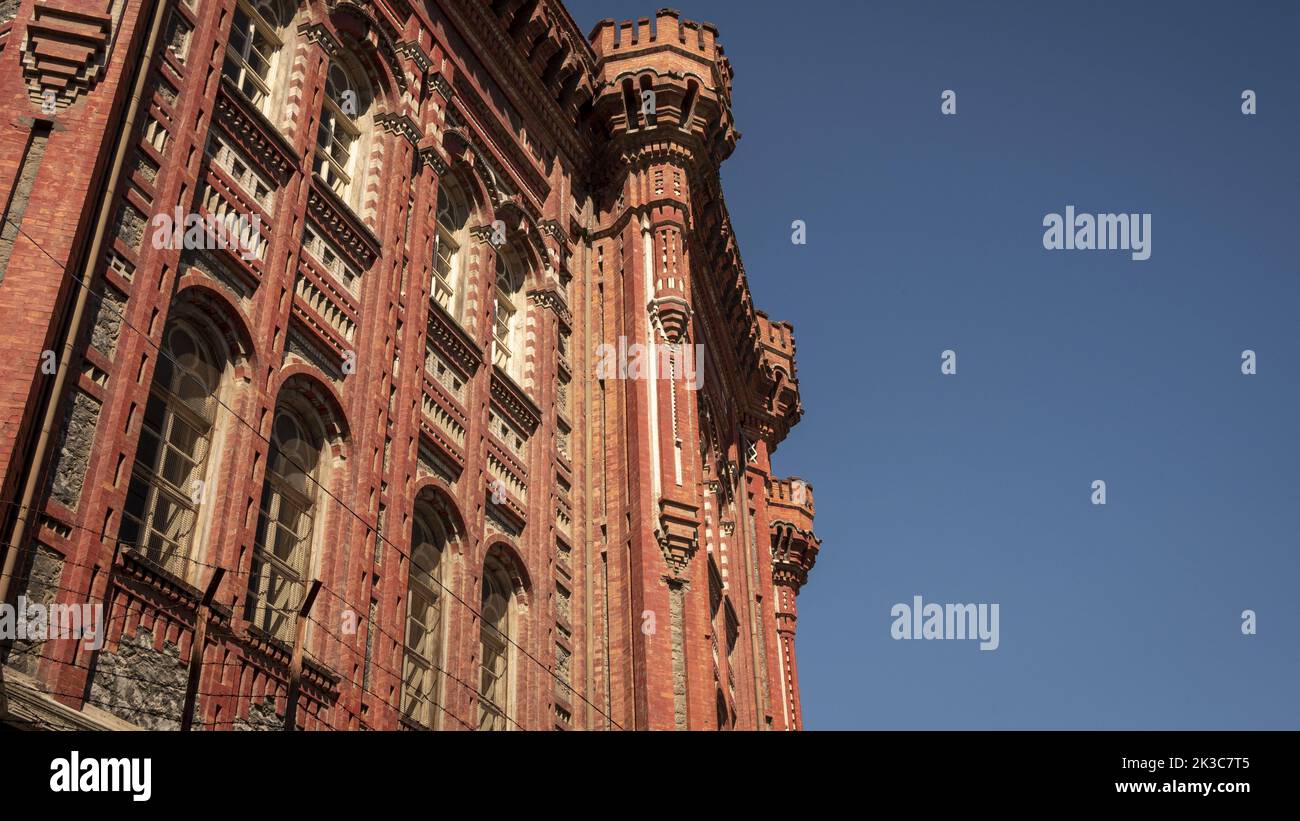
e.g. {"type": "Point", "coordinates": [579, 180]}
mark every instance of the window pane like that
{"type": "Point", "coordinates": [155, 413]}
{"type": "Point", "coordinates": [178, 469]}
{"type": "Point", "coordinates": [129, 532]}
{"type": "Point", "coordinates": [239, 31]}
{"type": "Point", "coordinates": [169, 518]}
{"type": "Point", "coordinates": [146, 453]}
{"type": "Point", "coordinates": [259, 56]}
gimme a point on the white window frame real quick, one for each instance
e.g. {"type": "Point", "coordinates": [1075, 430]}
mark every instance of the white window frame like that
{"type": "Point", "coordinates": [245, 72]}
{"type": "Point", "coordinates": [333, 120]}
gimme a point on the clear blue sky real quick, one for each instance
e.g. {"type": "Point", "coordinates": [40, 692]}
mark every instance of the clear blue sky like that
{"type": "Point", "coordinates": [925, 234]}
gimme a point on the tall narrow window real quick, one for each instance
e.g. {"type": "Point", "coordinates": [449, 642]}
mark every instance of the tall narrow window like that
{"type": "Point", "coordinates": [167, 486]}
{"type": "Point", "coordinates": [337, 137]}
{"type": "Point", "coordinates": [281, 552]}
{"type": "Point", "coordinates": [451, 219]}
{"type": "Point", "coordinates": [506, 319]}
{"type": "Point", "coordinates": [423, 620]}
{"type": "Point", "coordinates": [494, 683]}
{"type": "Point", "coordinates": [253, 46]}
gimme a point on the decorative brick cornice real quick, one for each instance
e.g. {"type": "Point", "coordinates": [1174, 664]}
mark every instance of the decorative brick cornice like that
{"type": "Point", "coordinates": [449, 338]}
{"type": "Point", "coordinates": [441, 85]}
{"type": "Point", "coordinates": [554, 230]}
{"type": "Point", "coordinates": [401, 125]}
{"type": "Point", "coordinates": [485, 35]}
{"type": "Point", "coordinates": [516, 404]}
{"type": "Point", "coordinates": [413, 51]}
{"type": "Point", "coordinates": [551, 298]}
{"type": "Point", "coordinates": [321, 36]}
{"type": "Point", "coordinates": [353, 238]}
{"type": "Point", "coordinates": [250, 130]}
{"type": "Point", "coordinates": [432, 156]}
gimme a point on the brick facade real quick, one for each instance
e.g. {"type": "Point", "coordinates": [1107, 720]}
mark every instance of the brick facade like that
{"type": "Point", "coordinates": [483, 382]}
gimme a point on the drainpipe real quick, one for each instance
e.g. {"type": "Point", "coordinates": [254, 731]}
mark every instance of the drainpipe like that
{"type": "Point", "coordinates": [73, 328]}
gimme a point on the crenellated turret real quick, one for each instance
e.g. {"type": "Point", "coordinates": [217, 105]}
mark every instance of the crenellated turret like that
{"type": "Point", "coordinates": [794, 552]}
{"type": "Point", "coordinates": [665, 82]}
{"type": "Point", "coordinates": [794, 545]}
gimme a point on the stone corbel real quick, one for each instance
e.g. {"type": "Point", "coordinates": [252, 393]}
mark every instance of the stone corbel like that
{"type": "Point", "coordinates": [677, 534]}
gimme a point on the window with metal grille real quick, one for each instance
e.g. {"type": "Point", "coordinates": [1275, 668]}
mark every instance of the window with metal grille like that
{"type": "Point", "coordinates": [167, 484]}
{"type": "Point", "coordinates": [281, 551]}
{"type": "Point", "coordinates": [423, 657]}
{"type": "Point", "coordinates": [494, 663]}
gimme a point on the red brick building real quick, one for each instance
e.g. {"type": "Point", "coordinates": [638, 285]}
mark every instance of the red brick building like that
{"type": "Point", "coordinates": [325, 330]}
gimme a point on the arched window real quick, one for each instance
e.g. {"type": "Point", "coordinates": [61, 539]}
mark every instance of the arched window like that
{"type": "Point", "coordinates": [448, 239]}
{"type": "Point", "coordinates": [167, 481]}
{"type": "Point", "coordinates": [494, 648]}
{"type": "Point", "coordinates": [256, 40]}
{"type": "Point", "coordinates": [339, 136]}
{"type": "Point", "coordinates": [507, 318]}
{"type": "Point", "coordinates": [282, 550]}
{"type": "Point", "coordinates": [420, 673]}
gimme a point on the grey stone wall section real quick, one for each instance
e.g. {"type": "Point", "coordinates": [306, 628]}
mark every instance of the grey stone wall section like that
{"type": "Point", "coordinates": [109, 310]}
{"type": "Point", "coordinates": [140, 684]}
{"type": "Point", "coordinates": [18, 200]}
{"type": "Point", "coordinates": [676, 600]}
{"type": "Point", "coordinates": [130, 225]}
{"type": "Point", "coordinates": [74, 449]}
{"type": "Point", "coordinates": [261, 717]}
{"type": "Point", "coordinates": [44, 570]}
{"type": "Point", "coordinates": [9, 10]}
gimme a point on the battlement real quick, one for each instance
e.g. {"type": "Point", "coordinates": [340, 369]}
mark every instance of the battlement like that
{"type": "Point", "coordinates": [792, 492]}
{"type": "Point", "coordinates": [610, 39]}
{"type": "Point", "coordinates": [776, 334]}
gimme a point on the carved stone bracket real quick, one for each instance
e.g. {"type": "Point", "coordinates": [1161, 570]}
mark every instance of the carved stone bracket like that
{"type": "Point", "coordinates": [677, 535]}
{"type": "Point", "coordinates": [64, 52]}
{"type": "Point", "coordinates": [672, 315]}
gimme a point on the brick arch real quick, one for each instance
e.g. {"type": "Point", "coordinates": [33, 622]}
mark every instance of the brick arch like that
{"type": "Point", "coordinates": [303, 382]}
{"type": "Point", "coordinates": [654, 74]}
{"type": "Point", "coordinates": [361, 33]}
{"type": "Point", "coordinates": [477, 194]}
{"type": "Point", "coordinates": [433, 491]}
{"type": "Point", "coordinates": [472, 174]}
{"type": "Point", "coordinates": [217, 309]}
{"type": "Point", "coordinates": [524, 237]}
{"type": "Point", "coordinates": [462, 148]}
{"type": "Point", "coordinates": [507, 555]}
